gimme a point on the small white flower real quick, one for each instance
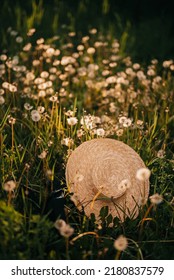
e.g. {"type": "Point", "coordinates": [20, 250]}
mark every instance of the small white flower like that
{"type": "Point", "coordinates": [143, 174]}
{"type": "Point", "coordinates": [9, 186]}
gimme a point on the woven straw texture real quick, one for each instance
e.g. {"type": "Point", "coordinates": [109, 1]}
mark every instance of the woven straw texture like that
{"type": "Point", "coordinates": [102, 172]}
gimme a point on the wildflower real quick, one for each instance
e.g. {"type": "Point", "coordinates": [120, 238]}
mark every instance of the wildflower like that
{"type": "Point", "coordinates": [9, 186]}
{"type": "Point", "coordinates": [67, 141]}
{"type": "Point", "coordinates": [156, 198]}
{"type": "Point", "coordinates": [80, 47]}
{"type": "Point", "coordinates": [44, 74]}
{"type": "Point", "coordinates": [69, 113]}
{"type": "Point", "coordinates": [91, 50]}
{"type": "Point", "coordinates": [160, 153]}
{"type": "Point", "coordinates": [19, 39]}
{"type": "Point", "coordinates": [119, 132]}
{"type": "Point", "coordinates": [59, 224]}
{"type": "Point", "coordinates": [3, 57]}
{"type": "Point", "coordinates": [40, 109]}
{"type": "Point", "coordinates": [121, 243]}
{"type": "Point", "coordinates": [12, 120]}
{"type": "Point", "coordinates": [50, 52]}
{"type": "Point", "coordinates": [31, 31]}
{"type": "Point", "coordinates": [80, 133]}
{"type": "Point", "coordinates": [100, 132]}
{"type": "Point", "coordinates": [127, 123]}
{"type": "Point", "coordinates": [53, 98]}
{"type": "Point", "coordinates": [136, 66]}
{"type": "Point", "coordinates": [167, 63]}
{"type": "Point", "coordinates": [64, 229]}
{"type": "Point", "coordinates": [2, 100]}
{"type": "Point", "coordinates": [93, 31]}
{"type": "Point", "coordinates": [35, 115]}
{"type": "Point", "coordinates": [72, 121]}
{"type": "Point", "coordinates": [122, 120]}
{"type": "Point", "coordinates": [40, 41]}
{"type": "Point", "coordinates": [43, 155]}
{"type": "Point", "coordinates": [28, 107]}
{"type": "Point", "coordinates": [12, 88]}
{"type": "Point", "coordinates": [143, 174]}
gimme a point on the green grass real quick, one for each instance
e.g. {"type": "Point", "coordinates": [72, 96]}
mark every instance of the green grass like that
{"type": "Point", "coordinates": [82, 85]}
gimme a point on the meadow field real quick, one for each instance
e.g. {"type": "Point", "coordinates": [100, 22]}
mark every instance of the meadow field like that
{"type": "Point", "coordinates": [57, 91]}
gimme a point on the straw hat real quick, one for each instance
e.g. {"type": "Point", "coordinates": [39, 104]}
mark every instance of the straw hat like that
{"type": "Point", "coordinates": [102, 172]}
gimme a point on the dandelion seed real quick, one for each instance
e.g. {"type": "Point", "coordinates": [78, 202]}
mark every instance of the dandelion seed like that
{"type": "Point", "coordinates": [143, 174]}
{"type": "Point", "coordinates": [156, 198]}
{"type": "Point", "coordinates": [9, 186]}
{"type": "Point", "coordinates": [121, 243]}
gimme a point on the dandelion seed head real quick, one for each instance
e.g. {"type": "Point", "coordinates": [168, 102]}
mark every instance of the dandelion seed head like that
{"type": "Point", "coordinates": [121, 243]}
{"type": "Point", "coordinates": [156, 198]}
{"type": "Point", "coordinates": [9, 186]}
{"type": "Point", "coordinates": [143, 174]}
